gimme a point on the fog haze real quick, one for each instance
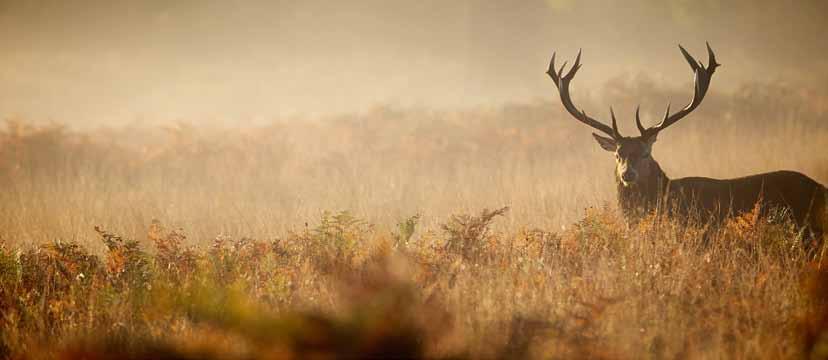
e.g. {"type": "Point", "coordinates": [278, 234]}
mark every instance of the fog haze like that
{"type": "Point", "coordinates": [106, 62]}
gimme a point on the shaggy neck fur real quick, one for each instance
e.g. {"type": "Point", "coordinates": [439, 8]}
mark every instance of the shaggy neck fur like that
{"type": "Point", "coordinates": [643, 196]}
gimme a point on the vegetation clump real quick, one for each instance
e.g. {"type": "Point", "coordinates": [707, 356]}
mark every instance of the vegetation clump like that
{"type": "Point", "coordinates": [342, 288]}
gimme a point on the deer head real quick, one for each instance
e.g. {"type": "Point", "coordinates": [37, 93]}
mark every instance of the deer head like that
{"type": "Point", "coordinates": [633, 158]}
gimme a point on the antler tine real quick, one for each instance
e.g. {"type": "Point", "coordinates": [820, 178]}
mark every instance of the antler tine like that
{"type": "Point", "coordinates": [667, 112]}
{"type": "Point", "coordinates": [711, 57]}
{"type": "Point", "coordinates": [641, 128]}
{"type": "Point", "coordinates": [560, 72]}
{"type": "Point", "coordinates": [551, 70]}
{"type": "Point", "coordinates": [615, 132]}
{"type": "Point", "coordinates": [562, 83]}
{"type": "Point", "coordinates": [701, 82]}
{"type": "Point", "coordinates": [694, 64]}
{"type": "Point", "coordinates": [575, 66]}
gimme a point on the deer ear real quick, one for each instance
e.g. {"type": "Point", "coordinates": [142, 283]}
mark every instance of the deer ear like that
{"type": "Point", "coordinates": [605, 142]}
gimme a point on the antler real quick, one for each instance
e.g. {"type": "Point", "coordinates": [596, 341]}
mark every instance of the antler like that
{"type": "Point", "coordinates": [702, 77]}
{"type": "Point", "coordinates": [562, 82]}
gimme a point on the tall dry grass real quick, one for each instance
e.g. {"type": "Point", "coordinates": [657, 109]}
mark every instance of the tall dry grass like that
{"type": "Point", "coordinates": [344, 287]}
{"type": "Point", "coordinates": [385, 164]}
{"type": "Point", "coordinates": [216, 242]}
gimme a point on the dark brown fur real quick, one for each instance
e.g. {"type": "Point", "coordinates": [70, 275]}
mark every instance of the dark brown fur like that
{"type": "Point", "coordinates": [713, 200]}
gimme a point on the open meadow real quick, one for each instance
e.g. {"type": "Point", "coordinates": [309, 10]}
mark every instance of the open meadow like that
{"type": "Point", "coordinates": [473, 233]}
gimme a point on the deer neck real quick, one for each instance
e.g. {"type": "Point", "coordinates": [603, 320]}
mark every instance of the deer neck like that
{"type": "Point", "coordinates": [642, 197]}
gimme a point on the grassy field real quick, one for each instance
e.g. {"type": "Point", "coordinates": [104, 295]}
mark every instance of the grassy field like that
{"type": "Point", "coordinates": [478, 233]}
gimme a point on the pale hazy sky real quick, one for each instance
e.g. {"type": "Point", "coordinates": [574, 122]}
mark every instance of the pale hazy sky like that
{"type": "Point", "coordinates": [97, 61]}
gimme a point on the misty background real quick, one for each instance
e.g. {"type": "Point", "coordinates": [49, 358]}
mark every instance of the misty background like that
{"type": "Point", "coordinates": [253, 118]}
{"type": "Point", "coordinates": [97, 62]}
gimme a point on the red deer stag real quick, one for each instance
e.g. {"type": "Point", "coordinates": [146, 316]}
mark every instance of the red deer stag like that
{"type": "Point", "coordinates": [643, 187]}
